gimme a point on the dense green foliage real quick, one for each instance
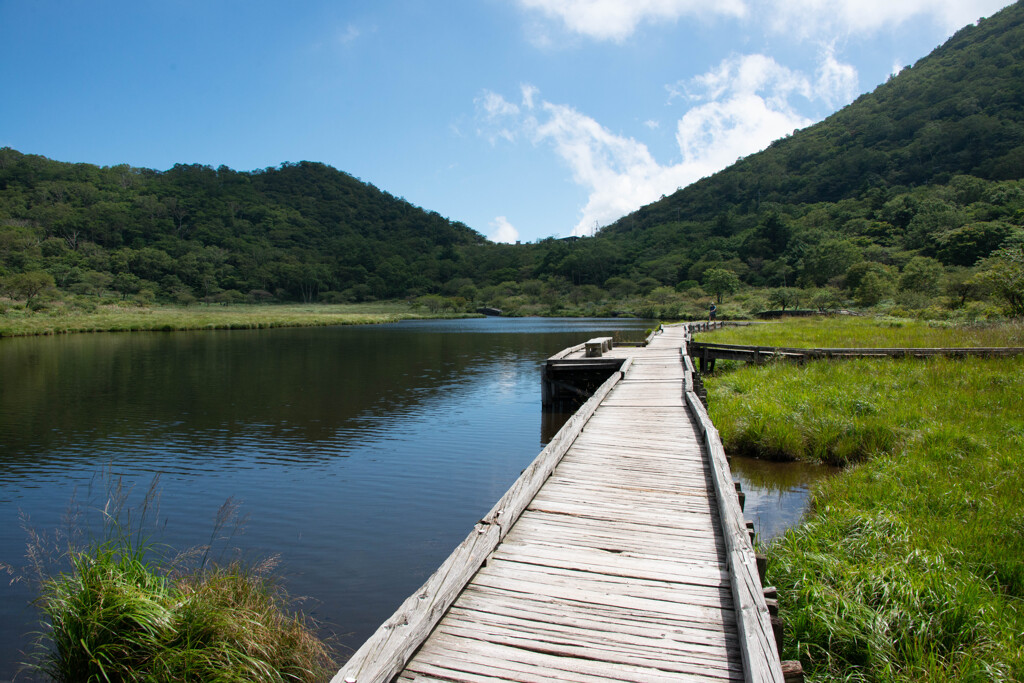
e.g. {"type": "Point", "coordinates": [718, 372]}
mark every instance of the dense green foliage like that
{"type": "Point", "coordinates": [292, 232]}
{"type": "Point", "coordinates": [911, 197]}
{"type": "Point", "coordinates": [908, 566]}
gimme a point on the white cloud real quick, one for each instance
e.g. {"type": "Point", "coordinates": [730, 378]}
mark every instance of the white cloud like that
{"type": "Point", "coordinates": [743, 75]}
{"type": "Point", "coordinates": [499, 115]}
{"type": "Point", "coordinates": [350, 33]}
{"type": "Point", "coordinates": [748, 103]}
{"type": "Point", "coordinates": [619, 173]}
{"type": "Point", "coordinates": [529, 92]}
{"type": "Point", "coordinates": [652, 124]}
{"type": "Point", "coordinates": [814, 18]}
{"type": "Point", "coordinates": [616, 20]}
{"type": "Point", "coordinates": [503, 231]}
{"type": "Point", "coordinates": [837, 82]}
{"type": "Point", "coordinates": [496, 106]}
{"type": "Point", "coordinates": [737, 108]}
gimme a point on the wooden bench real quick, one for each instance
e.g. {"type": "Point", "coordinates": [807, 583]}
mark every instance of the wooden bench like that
{"type": "Point", "coordinates": [597, 346]}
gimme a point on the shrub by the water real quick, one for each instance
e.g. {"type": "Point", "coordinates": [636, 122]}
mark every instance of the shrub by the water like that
{"type": "Point", "coordinates": [115, 617]}
{"type": "Point", "coordinates": [119, 612]}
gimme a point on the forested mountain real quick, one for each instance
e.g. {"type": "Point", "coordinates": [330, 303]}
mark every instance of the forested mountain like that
{"type": "Point", "coordinates": [292, 232]}
{"type": "Point", "coordinates": [928, 165]}
{"type": "Point", "coordinates": [901, 196]}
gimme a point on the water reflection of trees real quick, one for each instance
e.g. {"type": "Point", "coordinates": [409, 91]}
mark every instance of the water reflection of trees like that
{"type": "Point", "coordinates": [285, 386]}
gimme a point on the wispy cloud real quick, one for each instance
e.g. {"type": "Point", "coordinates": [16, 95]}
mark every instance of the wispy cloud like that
{"type": "Point", "coordinates": [494, 112]}
{"type": "Point", "coordinates": [349, 34]}
{"type": "Point", "coordinates": [616, 20]}
{"type": "Point", "coordinates": [737, 108]}
{"type": "Point", "coordinates": [811, 19]}
{"type": "Point", "coordinates": [837, 83]}
{"type": "Point", "coordinates": [503, 231]}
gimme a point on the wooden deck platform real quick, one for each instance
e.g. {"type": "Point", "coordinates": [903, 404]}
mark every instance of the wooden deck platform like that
{"type": "Point", "coordinates": [620, 555]}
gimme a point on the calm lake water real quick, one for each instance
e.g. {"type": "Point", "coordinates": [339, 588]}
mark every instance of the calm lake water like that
{"type": "Point", "coordinates": [360, 455]}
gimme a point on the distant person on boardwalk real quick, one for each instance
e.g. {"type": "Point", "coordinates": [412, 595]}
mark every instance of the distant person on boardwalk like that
{"type": "Point", "coordinates": [711, 313]}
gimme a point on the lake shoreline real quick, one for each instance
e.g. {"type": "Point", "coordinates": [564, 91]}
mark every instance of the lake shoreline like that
{"type": "Point", "coordinates": [213, 317]}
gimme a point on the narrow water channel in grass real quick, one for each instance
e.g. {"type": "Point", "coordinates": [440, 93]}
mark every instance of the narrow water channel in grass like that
{"type": "Point", "coordinates": [777, 493]}
{"type": "Point", "coordinates": [359, 455]}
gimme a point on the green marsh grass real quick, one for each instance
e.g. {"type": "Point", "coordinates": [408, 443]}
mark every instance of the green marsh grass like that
{"type": "Point", "coordinates": [910, 563]}
{"type": "Point", "coordinates": [120, 610]}
{"type": "Point", "coordinates": [857, 332]}
{"type": "Point", "coordinates": [117, 318]}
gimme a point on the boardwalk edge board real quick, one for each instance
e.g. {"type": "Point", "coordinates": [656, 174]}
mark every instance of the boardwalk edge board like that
{"type": "Point", "coordinates": [760, 655]}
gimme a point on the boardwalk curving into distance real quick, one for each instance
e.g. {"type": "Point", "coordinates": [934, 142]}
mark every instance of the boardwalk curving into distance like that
{"type": "Point", "coordinates": [620, 554]}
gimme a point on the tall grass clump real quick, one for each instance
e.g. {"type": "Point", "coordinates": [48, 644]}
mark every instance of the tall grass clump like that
{"type": "Point", "coordinates": [121, 611]}
{"type": "Point", "coordinates": [909, 565]}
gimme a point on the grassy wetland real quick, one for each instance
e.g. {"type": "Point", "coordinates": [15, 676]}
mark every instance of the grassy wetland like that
{"type": "Point", "coordinates": [126, 317]}
{"type": "Point", "coordinates": [910, 563]}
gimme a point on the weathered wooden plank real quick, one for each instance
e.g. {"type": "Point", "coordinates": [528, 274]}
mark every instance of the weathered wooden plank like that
{"type": "Point", "coordinates": [675, 588]}
{"type": "Point", "coordinates": [625, 564]}
{"type": "Point", "coordinates": [654, 601]}
{"type": "Point", "coordinates": [617, 561]}
{"type": "Point", "coordinates": [582, 632]}
{"type": "Point", "coordinates": [568, 352]}
{"type": "Point", "coordinates": [625, 502]}
{"type": "Point", "coordinates": [688, 547]}
{"type": "Point", "coordinates": [579, 668]}
{"type": "Point", "coordinates": [754, 353]}
{"type": "Point", "coordinates": [627, 532]}
{"type": "Point", "coordinates": [543, 504]}
{"type": "Point", "coordinates": [611, 535]}
{"type": "Point", "coordinates": [666, 632]}
{"type": "Point", "coordinates": [594, 626]}
{"type": "Point", "coordinates": [564, 644]}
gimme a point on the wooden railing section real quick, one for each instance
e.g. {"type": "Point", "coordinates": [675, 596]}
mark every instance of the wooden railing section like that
{"type": "Point", "coordinates": [707, 352]}
{"type": "Point", "coordinates": [761, 661]}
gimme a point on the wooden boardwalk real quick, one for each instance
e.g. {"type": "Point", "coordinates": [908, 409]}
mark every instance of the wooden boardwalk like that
{"type": "Point", "coordinates": [623, 559]}
{"type": "Point", "coordinates": [706, 353]}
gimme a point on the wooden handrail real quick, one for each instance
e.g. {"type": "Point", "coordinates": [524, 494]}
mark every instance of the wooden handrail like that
{"type": "Point", "coordinates": [863, 351]}
{"type": "Point", "coordinates": [757, 640]}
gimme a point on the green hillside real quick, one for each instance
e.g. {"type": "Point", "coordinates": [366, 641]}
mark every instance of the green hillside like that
{"type": "Point", "coordinates": [909, 198]}
{"type": "Point", "coordinates": [928, 165]}
{"type": "Point", "coordinates": [294, 232]}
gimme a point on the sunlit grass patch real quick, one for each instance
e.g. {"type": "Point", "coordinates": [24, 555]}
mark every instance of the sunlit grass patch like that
{"type": "Point", "coordinates": [858, 332]}
{"type": "Point", "coordinates": [910, 564]}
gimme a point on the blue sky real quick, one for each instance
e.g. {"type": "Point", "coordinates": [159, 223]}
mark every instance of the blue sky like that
{"type": "Point", "coordinates": [521, 118]}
